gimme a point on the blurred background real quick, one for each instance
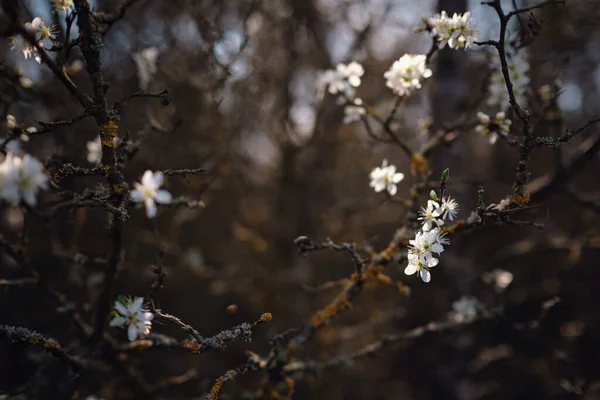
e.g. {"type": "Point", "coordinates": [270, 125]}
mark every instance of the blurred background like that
{"type": "Point", "coordinates": [281, 164]}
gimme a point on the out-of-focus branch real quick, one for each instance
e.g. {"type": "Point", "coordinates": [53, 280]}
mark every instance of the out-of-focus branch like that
{"type": "Point", "coordinates": [51, 346]}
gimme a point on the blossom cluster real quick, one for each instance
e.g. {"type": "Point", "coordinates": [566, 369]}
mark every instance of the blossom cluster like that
{"type": "Point", "coordinates": [430, 240]}
{"type": "Point", "coordinates": [133, 317]}
{"type": "Point", "coordinates": [343, 80]}
{"type": "Point", "coordinates": [500, 125]}
{"type": "Point", "coordinates": [43, 34]}
{"type": "Point", "coordinates": [457, 31]}
{"type": "Point", "coordinates": [406, 73]}
{"type": "Point", "coordinates": [385, 178]}
{"type": "Point", "coordinates": [518, 68]}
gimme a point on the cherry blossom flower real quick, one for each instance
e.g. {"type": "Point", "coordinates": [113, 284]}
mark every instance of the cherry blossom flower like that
{"type": "Point", "coordinates": [354, 111]}
{"type": "Point", "coordinates": [148, 192]}
{"type": "Point", "coordinates": [133, 317]}
{"type": "Point", "coordinates": [385, 178]}
{"type": "Point", "coordinates": [406, 73]}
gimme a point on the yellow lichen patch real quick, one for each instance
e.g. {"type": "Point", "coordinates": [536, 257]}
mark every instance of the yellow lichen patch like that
{"type": "Point", "coordinates": [266, 317]}
{"type": "Point", "coordinates": [389, 252]}
{"type": "Point", "coordinates": [52, 343]}
{"type": "Point", "coordinates": [192, 345]}
{"type": "Point", "coordinates": [108, 132]}
{"type": "Point", "coordinates": [216, 388]}
{"type": "Point", "coordinates": [418, 163]}
{"type": "Point", "coordinates": [384, 278]}
{"type": "Point", "coordinates": [341, 303]}
{"type": "Point", "coordinates": [106, 168]}
{"type": "Point", "coordinates": [450, 229]}
{"type": "Point", "coordinates": [34, 340]}
{"type": "Point", "coordinates": [521, 200]}
{"type": "Point", "coordinates": [290, 386]}
{"type": "Point", "coordinates": [117, 189]}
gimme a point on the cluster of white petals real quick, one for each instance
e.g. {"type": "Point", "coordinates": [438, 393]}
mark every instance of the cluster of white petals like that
{"type": "Point", "coordinates": [430, 239]}
{"type": "Point", "coordinates": [406, 74]}
{"type": "Point", "coordinates": [518, 68]}
{"type": "Point", "coordinates": [21, 177]}
{"type": "Point", "coordinates": [343, 80]}
{"type": "Point", "coordinates": [465, 309]}
{"type": "Point", "coordinates": [385, 178]}
{"type": "Point", "coordinates": [63, 5]}
{"type": "Point", "coordinates": [500, 125]}
{"type": "Point", "coordinates": [354, 111]}
{"type": "Point", "coordinates": [149, 192]}
{"type": "Point", "coordinates": [43, 34]}
{"type": "Point", "coordinates": [457, 31]}
{"type": "Point", "coordinates": [133, 317]}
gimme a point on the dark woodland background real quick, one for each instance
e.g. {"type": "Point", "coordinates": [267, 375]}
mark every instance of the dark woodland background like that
{"type": "Point", "coordinates": [278, 168]}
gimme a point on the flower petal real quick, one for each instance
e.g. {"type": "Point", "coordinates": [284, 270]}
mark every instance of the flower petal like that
{"type": "Point", "coordinates": [132, 332]}
{"type": "Point", "coordinates": [163, 197]}
{"type": "Point", "coordinates": [410, 269]}
{"type": "Point", "coordinates": [121, 309]}
{"type": "Point", "coordinates": [118, 321]}
{"type": "Point", "coordinates": [136, 305]}
{"type": "Point", "coordinates": [425, 275]}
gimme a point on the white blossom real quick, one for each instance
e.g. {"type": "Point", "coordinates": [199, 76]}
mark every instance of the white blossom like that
{"type": "Point", "coordinates": [43, 34]}
{"type": "Point", "coordinates": [63, 4]}
{"type": "Point", "coordinates": [419, 263]}
{"type": "Point", "coordinates": [23, 177]}
{"type": "Point", "coordinates": [465, 309]}
{"type": "Point", "coordinates": [500, 125]}
{"type": "Point", "coordinates": [354, 111]}
{"type": "Point", "coordinates": [500, 278]}
{"type": "Point", "coordinates": [148, 192]}
{"type": "Point", "coordinates": [342, 80]}
{"type": "Point", "coordinates": [429, 215]}
{"type": "Point", "coordinates": [146, 61]}
{"type": "Point", "coordinates": [448, 209]}
{"type": "Point", "coordinates": [518, 68]}
{"type": "Point", "coordinates": [406, 73]}
{"type": "Point", "coordinates": [11, 122]}
{"type": "Point", "coordinates": [94, 149]}
{"type": "Point", "coordinates": [385, 178]}
{"type": "Point", "coordinates": [136, 319]}
{"type": "Point", "coordinates": [457, 32]}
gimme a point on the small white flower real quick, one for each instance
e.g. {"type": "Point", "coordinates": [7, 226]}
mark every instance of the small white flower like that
{"type": "Point", "coordinates": [448, 209]}
{"type": "Point", "coordinates": [23, 177]}
{"type": "Point", "coordinates": [417, 263]}
{"type": "Point", "coordinates": [94, 149]}
{"type": "Point", "coordinates": [148, 192]}
{"type": "Point", "coordinates": [63, 4]}
{"type": "Point", "coordinates": [351, 72]}
{"type": "Point", "coordinates": [43, 34]}
{"type": "Point", "coordinates": [134, 317]}
{"type": "Point", "coordinates": [354, 112]}
{"type": "Point", "coordinates": [430, 215]}
{"type": "Point", "coordinates": [465, 309]}
{"type": "Point", "coordinates": [406, 74]}
{"type": "Point", "coordinates": [428, 242]}
{"type": "Point", "coordinates": [11, 122]}
{"type": "Point", "coordinates": [458, 31]}
{"type": "Point", "coordinates": [385, 178]}
{"type": "Point", "coordinates": [342, 80]}
{"type": "Point", "coordinates": [500, 278]}
{"type": "Point", "coordinates": [146, 62]}
{"type": "Point", "coordinates": [500, 125]}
